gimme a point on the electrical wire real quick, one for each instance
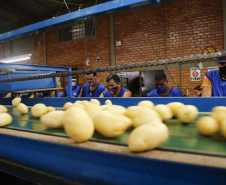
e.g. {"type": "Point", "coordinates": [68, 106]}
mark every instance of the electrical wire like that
{"type": "Point", "coordinates": [66, 5]}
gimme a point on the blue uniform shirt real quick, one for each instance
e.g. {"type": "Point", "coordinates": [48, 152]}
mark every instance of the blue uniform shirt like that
{"type": "Point", "coordinates": [53, 96]}
{"type": "Point", "coordinates": [107, 93]}
{"type": "Point", "coordinates": [96, 93]}
{"type": "Point", "coordinates": [173, 93]}
{"type": "Point", "coordinates": [218, 85]}
{"type": "Point", "coordinates": [75, 91]}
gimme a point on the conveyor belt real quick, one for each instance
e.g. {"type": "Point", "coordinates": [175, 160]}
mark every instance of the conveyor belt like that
{"type": "Point", "coordinates": [183, 138]}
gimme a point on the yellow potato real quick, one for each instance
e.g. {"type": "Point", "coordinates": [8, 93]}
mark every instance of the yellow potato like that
{"type": "Point", "coordinates": [147, 137]}
{"type": "Point", "coordinates": [146, 103]}
{"type": "Point", "coordinates": [110, 124]}
{"type": "Point", "coordinates": [144, 119]}
{"type": "Point", "coordinates": [114, 108]}
{"type": "Point", "coordinates": [22, 108]}
{"type": "Point", "coordinates": [53, 119]}
{"type": "Point", "coordinates": [207, 125]}
{"type": "Point", "coordinates": [92, 109]}
{"type": "Point", "coordinates": [95, 101]}
{"type": "Point", "coordinates": [77, 124]}
{"type": "Point", "coordinates": [175, 106]}
{"type": "Point", "coordinates": [79, 105]}
{"type": "Point", "coordinates": [187, 114]}
{"type": "Point", "coordinates": [82, 102]}
{"type": "Point", "coordinates": [38, 110]}
{"type": "Point", "coordinates": [16, 101]}
{"type": "Point", "coordinates": [50, 109]}
{"type": "Point", "coordinates": [3, 109]}
{"type": "Point", "coordinates": [134, 111]}
{"type": "Point", "coordinates": [67, 105]}
{"type": "Point", "coordinates": [108, 102]}
{"type": "Point", "coordinates": [219, 113]}
{"type": "Point", "coordinates": [164, 111]}
{"type": "Point", "coordinates": [5, 119]}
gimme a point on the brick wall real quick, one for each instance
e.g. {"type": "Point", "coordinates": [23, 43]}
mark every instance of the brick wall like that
{"type": "Point", "coordinates": [141, 32]}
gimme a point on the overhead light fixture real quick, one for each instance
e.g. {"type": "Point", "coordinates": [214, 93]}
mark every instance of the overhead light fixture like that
{"type": "Point", "coordinates": [16, 58]}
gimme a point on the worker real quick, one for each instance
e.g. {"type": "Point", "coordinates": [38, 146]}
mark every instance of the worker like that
{"type": "Point", "coordinates": [27, 95]}
{"type": "Point", "coordinates": [214, 83]}
{"type": "Point", "coordinates": [93, 88]}
{"type": "Point", "coordinates": [198, 90]}
{"type": "Point", "coordinates": [114, 88]}
{"type": "Point", "coordinates": [75, 89]}
{"type": "Point", "coordinates": [51, 94]}
{"type": "Point", "coordinates": [162, 89]}
{"type": "Point", "coordinates": [3, 95]}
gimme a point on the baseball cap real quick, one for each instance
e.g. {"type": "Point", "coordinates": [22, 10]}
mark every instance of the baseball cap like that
{"type": "Point", "coordinates": [73, 79]}
{"type": "Point", "coordinates": [221, 59]}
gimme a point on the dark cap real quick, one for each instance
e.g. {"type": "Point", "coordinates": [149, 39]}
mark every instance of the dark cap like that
{"type": "Point", "coordinates": [221, 59]}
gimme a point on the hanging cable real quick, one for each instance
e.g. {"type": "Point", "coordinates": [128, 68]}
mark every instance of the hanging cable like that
{"type": "Point", "coordinates": [66, 5]}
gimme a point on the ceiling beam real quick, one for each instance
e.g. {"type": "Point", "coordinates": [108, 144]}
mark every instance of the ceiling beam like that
{"type": "Point", "coordinates": [18, 10]}
{"type": "Point", "coordinates": [101, 9]}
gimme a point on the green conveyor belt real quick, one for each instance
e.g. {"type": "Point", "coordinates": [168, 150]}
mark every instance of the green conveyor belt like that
{"type": "Point", "coordinates": [183, 138]}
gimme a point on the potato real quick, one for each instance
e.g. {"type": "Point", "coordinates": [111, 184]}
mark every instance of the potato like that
{"type": "Point", "coordinates": [207, 125]}
{"type": "Point", "coordinates": [95, 101]}
{"type": "Point", "coordinates": [144, 119]}
{"type": "Point", "coordinates": [114, 108]}
{"type": "Point", "coordinates": [5, 119]}
{"type": "Point", "coordinates": [77, 124]}
{"type": "Point", "coordinates": [79, 105]}
{"type": "Point", "coordinates": [223, 128]}
{"type": "Point", "coordinates": [134, 111]}
{"type": "Point", "coordinates": [92, 109]}
{"type": "Point", "coordinates": [3, 109]}
{"type": "Point", "coordinates": [67, 105]}
{"type": "Point", "coordinates": [146, 103]}
{"type": "Point", "coordinates": [22, 108]}
{"type": "Point", "coordinates": [219, 113]}
{"type": "Point", "coordinates": [175, 106]}
{"type": "Point", "coordinates": [50, 109]}
{"type": "Point", "coordinates": [110, 124]}
{"type": "Point", "coordinates": [82, 102]}
{"type": "Point", "coordinates": [16, 101]}
{"type": "Point", "coordinates": [108, 102]}
{"type": "Point", "coordinates": [164, 111]}
{"type": "Point", "coordinates": [38, 110]}
{"type": "Point", "coordinates": [147, 137]}
{"type": "Point", "coordinates": [53, 119]}
{"type": "Point", "coordinates": [187, 114]}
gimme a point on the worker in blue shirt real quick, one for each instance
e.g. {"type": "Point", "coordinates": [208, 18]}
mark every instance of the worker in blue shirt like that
{"type": "Point", "coordinates": [114, 88]}
{"type": "Point", "coordinates": [214, 83]}
{"type": "Point", "coordinates": [92, 88]}
{"type": "Point", "coordinates": [162, 89]}
{"type": "Point", "coordinates": [75, 89]}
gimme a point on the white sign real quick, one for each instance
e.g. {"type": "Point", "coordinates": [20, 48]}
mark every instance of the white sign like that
{"type": "Point", "coordinates": [195, 74]}
{"type": "Point", "coordinates": [118, 43]}
{"type": "Point", "coordinates": [212, 68]}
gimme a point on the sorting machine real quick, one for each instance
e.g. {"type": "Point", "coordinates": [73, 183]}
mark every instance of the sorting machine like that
{"type": "Point", "coordinates": [48, 156]}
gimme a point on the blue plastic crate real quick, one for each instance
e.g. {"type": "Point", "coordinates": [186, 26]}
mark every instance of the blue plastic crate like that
{"type": "Point", "coordinates": [26, 85]}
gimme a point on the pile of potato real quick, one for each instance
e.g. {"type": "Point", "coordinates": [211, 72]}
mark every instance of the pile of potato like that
{"type": "Point", "coordinates": [81, 118]}
{"type": "Point", "coordinates": [210, 125]}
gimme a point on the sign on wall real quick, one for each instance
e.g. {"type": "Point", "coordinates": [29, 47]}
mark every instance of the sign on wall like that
{"type": "Point", "coordinates": [195, 74]}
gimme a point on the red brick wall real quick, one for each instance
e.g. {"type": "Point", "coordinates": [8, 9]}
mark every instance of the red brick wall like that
{"type": "Point", "coordinates": [141, 32]}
